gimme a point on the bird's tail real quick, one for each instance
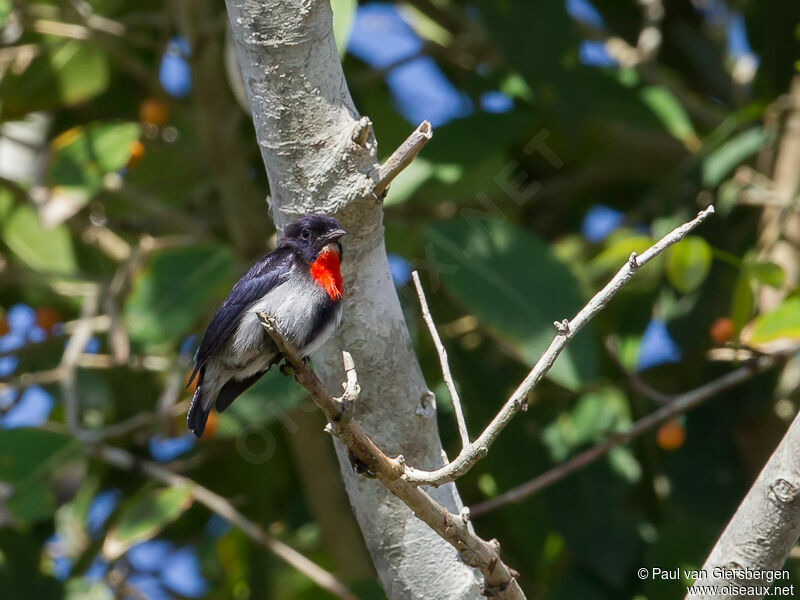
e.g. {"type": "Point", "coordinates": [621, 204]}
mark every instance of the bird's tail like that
{"type": "Point", "coordinates": [198, 415]}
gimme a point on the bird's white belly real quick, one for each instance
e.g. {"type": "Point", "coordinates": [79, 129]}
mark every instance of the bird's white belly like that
{"type": "Point", "coordinates": [294, 306]}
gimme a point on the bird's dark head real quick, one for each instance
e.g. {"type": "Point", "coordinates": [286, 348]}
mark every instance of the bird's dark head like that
{"type": "Point", "coordinates": [312, 234]}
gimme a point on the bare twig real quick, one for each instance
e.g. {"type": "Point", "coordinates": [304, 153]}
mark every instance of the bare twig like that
{"type": "Point", "coordinates": [351, 386]}
{"type": "Point", "coordinates": [779, 236]}
{"type": "Point", "coordinates": [402, 157]}
{"type": "Point", "coordinates": [69, 360]}
{"type": "Point", "coordinates": [216, 503]}
{"type": "Point", "coordinates": [677, 406]}
{"type": "Point", "coordinates": [636, 382]}
{"type": "Point", "coordinates": [28, 379]}
{"type": "Point", "coordinates": [67, 30]}
{"type": "Point", "coordinates": [566, 331]}
{"type": "Point", "coordinates": [440, 349]}
{"type": "Point", "coordinates": [117, 335]}
{"type": "Point", "coordinates": [118, 429]}
{"type": "Point", "coordinates": [500, 580]}
{"type": "Point", "coordinates": [99, 324]}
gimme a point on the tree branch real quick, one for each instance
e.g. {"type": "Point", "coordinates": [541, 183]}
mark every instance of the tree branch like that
{"type": "Point", "coordinates": [677, 406]}
{"type": "Point", "coordinates": [566, 331]}
{"type": "Point", "coordinates": [69, 361]}
{"type": "Point", "coordinates": [402, 157]}
{"type": "Point", "coordinates": [321, 156]}
{"type": "Point", "coordinates": [442, 352]}
{"type": "Point", "coordinates": [763, 531]}
{"type": "Point", "coordinates": [500, 580]}
{"type": "Point", "coordinates": [216, 503]}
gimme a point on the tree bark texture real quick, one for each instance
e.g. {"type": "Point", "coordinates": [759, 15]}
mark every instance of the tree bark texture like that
{"type": "Point", "coordinates": [321, 157]}
{"type": "Point", "coordinates": [766, 525]}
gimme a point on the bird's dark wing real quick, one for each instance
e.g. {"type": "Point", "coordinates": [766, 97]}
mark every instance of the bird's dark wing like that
{"type": "Point", "coordinates": [268, 273]}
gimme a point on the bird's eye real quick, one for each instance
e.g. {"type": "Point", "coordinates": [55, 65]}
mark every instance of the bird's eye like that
{"type": "Point", "coordinates": [305, 233]}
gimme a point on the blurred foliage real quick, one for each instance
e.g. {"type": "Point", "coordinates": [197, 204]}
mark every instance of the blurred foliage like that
{"type": "Point", "coordinates": [555, 155]}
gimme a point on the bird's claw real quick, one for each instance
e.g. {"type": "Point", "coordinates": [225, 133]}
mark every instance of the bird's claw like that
{"type": "Point", "coordinates": [286, 369]}
{"type": "Point", "coordinates": [359, 467]}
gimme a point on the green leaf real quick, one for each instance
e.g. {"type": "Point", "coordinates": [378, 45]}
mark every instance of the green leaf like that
{"type": "Point", "coordinates": [783, 323]}
{"type": "Point", "coordinates": [144, 517]}
{"type": "Point", "coordinates": [270, 399]}
{"type": "Point", "coordinates": [766, 272]}
{"type": "Point", "coordinates": [83, 155]}
{"type": "Point", "coordinates": [174, 289]}
{"type": "Point", "coordinates": [409, 181]}
{"type": "Point", "coordinates": [742, 303]}
{"type": "Point", "coordinates": [83, 589]}
{"type": "Point", "coordinates": [21, 575]}
{"type": "Point", "coordinates": [32, 502]}
{"type": "Point", "coordinates": [670, 112]}
{"type": "Point", "coordinates": [617, 253]}
{"type": "Point", "coordinates": [688, 263]}
{"type": "Point", "coordinates": [732, 153]}
{"type": "Point", "coordinates": [81, 158]}
{"type": "Point", "coordinates": [344, 12]}
{"type": "Point", "coordinates": [624, 463]}
{"type": "Point", "coordinates": [596, 414]}
{"type": "Point", "coordinates": [28, 453]}
{"type": "Point", "coordinates": [42, 249]}
{"type": "Point", "coordinates": [727, 197]}
{"type": "Point", "coordinates": [66, 73]}
{"type": "Point", "coordinates": [6, 8]}
{"type": "Point", "coordinates": [515, 286]}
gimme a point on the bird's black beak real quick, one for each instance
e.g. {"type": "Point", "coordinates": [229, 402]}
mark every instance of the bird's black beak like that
{"type": "Point", "coordinates": [333, 236]}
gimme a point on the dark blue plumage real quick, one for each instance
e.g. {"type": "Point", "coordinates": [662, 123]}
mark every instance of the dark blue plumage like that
{"type": "Point", "coordinates": [293, 284]}
{"type": "Point", "coordinates": [271, 270]}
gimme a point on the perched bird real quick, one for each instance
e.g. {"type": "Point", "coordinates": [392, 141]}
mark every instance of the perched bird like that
{"type": "Point", "coordinates": [299, 284]}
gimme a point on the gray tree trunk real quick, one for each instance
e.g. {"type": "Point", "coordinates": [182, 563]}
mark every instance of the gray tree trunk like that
{"type": "Point", "coordinates": [305, 123]}
{"type": "Point", "coordinates": [764, 529]}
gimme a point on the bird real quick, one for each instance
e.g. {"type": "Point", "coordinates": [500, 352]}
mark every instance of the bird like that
{"type": "Point", "coordinates": [300, 284]}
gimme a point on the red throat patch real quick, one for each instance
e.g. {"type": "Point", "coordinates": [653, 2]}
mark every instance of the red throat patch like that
{"type": "Point", "coordinates": [325, 273]}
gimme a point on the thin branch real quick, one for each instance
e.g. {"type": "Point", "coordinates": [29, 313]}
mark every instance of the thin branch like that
{"type": "Point", "coordinates": [58, 28]}
{"type": "Point", "coordinates": [157, 364]}
{"type": "Point", "coordinates": [500, 580]}
{"type": "Point", "coordinates": [679, 405]}
{"type": "Point", "coordinates": [119, 429]}
{"type": "Point", "coordinates": [99, 325]}
{"type": "Point", "coordinates": [69, 360]}
{"type": "Point", "coordinates": [636, 382]}
{"type": "Point", "coordinates": [402, 157]}
{"type": "Point", "coordinates": [440, 349]}
{"type": "Point", "coordinates": [216, 503]}
{"type": "Point", "coordinates": [566, 331]}
{"type": "Point", "coordinates": [26, 380]}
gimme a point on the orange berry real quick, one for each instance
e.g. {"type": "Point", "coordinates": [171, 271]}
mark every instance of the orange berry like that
{"type": "Point", "coordinates": [47, 317]}
{"type": "Point", "coordinates": [211, 426]}
{"type": "Point", "coordinates": [671, 436]}
{"type": "Point", "coordinates": [4, 329]}
{"type": "Point", "coordinates": [722, 330]}
{"type": "Point", "coordinates": [154, 112]}
{"type": "Point", "coordinates": [137, 154]}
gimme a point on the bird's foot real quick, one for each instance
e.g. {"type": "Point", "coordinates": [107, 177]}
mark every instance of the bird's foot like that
{"type": "Point", "coordinates": [359, 467]}
{"type": "Point", "coordinates": [286, 369]}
